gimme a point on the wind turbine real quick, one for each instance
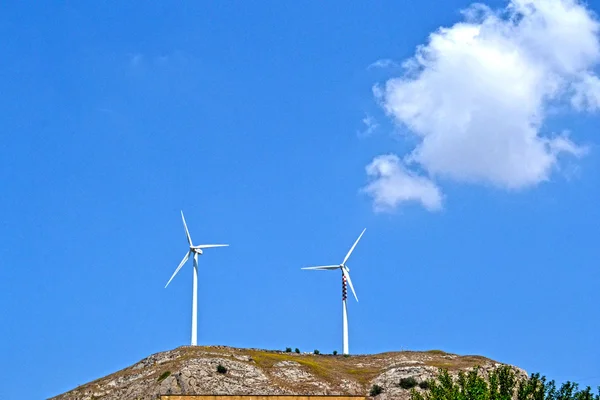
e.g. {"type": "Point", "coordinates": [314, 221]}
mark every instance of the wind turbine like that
{"type": "Point", "coordinates": [345, 279]}
{"type": "Point", "coordinates": [196, 251]}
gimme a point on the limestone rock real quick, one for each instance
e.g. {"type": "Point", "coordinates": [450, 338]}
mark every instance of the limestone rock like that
{"type": "Point", "coordinates": [193, 370]}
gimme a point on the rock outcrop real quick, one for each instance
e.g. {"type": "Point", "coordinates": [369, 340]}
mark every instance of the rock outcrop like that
{"type": "Point", "coordinates": [194, 370]}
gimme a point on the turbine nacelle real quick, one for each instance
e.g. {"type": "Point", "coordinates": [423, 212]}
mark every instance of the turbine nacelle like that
{"type": "Point", "coordinates": [194, 250]}
{"type": "Point", "coordinates": [342, 266]}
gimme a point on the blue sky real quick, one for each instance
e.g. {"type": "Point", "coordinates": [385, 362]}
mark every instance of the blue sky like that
{"type": "Point", "coordinates": [481, 231]}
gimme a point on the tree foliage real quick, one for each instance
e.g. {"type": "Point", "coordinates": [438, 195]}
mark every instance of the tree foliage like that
{"type": "Point", "coordinates": [500, 384]}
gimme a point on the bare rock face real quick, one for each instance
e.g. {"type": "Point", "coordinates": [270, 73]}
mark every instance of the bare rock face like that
{"type": "Point", "coordinates": [193, 370]}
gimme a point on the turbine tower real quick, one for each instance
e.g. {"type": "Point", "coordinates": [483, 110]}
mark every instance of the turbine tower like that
{"type": "Point", "coordinates": [345, 280]}
{"type": "Point", "coordinates": [195, 251]}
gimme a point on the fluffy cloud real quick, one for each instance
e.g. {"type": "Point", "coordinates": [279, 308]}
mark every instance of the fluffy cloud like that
{"type": "Point", "coordinates": [477, 94]}
{"type": "Point", "coordinates": [587, 94]}
{"type": "Point", "coordinates": [393, 184]}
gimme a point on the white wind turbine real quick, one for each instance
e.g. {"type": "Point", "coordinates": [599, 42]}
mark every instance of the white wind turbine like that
{"type": "Point", "coordinates": [345, 278]}
{"type": "Point", "coordinates": [196, 251]}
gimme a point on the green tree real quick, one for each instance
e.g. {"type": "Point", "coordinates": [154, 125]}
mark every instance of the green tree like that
{"type": "Point", "coordinates": [501, 384]}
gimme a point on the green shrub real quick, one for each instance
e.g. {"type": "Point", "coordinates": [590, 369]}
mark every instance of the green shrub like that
{"type": "Point", "coordinates": [408, 383]}
{"type": "Point", "coordinates": [297, 350]}
{"type": "Point", "coordinates": [375, 390]}
{"type": "Point", "coordinates": [424, 385]}
{"type": "Point", "coordinates": [288, 349]}
{"type": "Point", "coordinates": [221, 369]}
{"type": "Point", "coordinates": [163, 376]}
{"type": "Point", "coordinates": [346, 355]}
{"type": "Point", "coordinates": [317, 352]}
{"type": "Point", "coordinates": [335, 352]}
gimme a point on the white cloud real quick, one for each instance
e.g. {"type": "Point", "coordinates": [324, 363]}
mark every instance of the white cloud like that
{"type": "Point", "coordinates": [370, 126]}
{"type": "Point", "coordinates": [383, 63]}
{"type": "Point", "coordinates": [393, 184]}
{"type": "Point", "coordinates": [477, 94]}
{"type": "Point", "coordinates": [587, 94]}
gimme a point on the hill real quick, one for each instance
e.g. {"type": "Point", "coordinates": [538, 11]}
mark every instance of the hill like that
{"type": "Point", "coordinates": [194, 370]}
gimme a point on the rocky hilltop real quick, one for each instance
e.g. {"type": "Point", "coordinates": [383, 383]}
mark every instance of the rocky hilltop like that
{"type": "Point", "coordinates": [195, 370]}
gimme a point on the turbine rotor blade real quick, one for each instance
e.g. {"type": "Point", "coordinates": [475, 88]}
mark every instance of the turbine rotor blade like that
{"type": "Point", "coordinates": [209, 246]}
{"type": "Point", "coordinates": [187, 255]}
{"type": "Point", "coordinates": [323, 267]}
{"type": "Point", "coordinates": [353, 246]}
{"type": "Point", "coordinates": [187, 233]}
{"type": "Point", "coordinates": [347, 275]}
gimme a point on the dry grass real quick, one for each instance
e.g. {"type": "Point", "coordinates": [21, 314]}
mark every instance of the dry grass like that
{"type": "Point", "coordinates": [437, 352]}
{"type": "Point", "coordinates": [459, 362]}
{"type": "Point", "coordinates": [361, 368]}
{"type": "Point", "coordinates": [441, 364]}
